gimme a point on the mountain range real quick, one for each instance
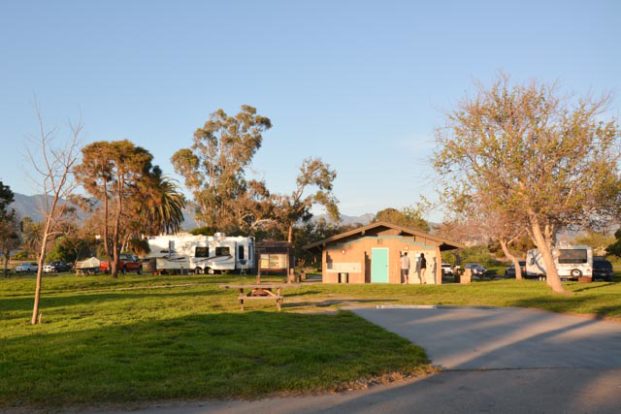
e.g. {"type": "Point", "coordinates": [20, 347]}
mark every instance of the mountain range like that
{"type": "Point", "coordinates": [30, 206]}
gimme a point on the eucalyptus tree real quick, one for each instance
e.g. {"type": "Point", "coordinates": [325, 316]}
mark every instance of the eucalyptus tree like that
{"type": "Point", "coordinates": [214, 166]}
{"type": "Point", "coordinates": [539, 158]}
{"type": "Point", "coordinates": [314, 186]}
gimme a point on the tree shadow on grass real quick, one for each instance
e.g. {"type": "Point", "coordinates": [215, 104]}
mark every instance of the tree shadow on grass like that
{"type": "Point", "coordinates": [573, 304]}
{"type": "Point", "coordinates": [203, 356]}
{"type": "Point", "coordinates": [305, 293]}
{"type": "Point", "coordinates": [333, 302]}
{"type": "Point", "coordinates": [47, 301]}
{"type": "Point", "coordinates": [591, 287]}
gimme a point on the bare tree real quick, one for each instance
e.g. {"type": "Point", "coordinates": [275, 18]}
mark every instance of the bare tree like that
{"type": "Point", "coordinates": [53, 165]}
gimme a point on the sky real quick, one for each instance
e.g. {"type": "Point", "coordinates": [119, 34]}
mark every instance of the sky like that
{"type": "Point", "coordinates": [360, 84]}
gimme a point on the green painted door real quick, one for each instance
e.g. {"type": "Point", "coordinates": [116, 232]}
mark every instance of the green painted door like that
{"type": "Point", "coordinates": [379, 265]}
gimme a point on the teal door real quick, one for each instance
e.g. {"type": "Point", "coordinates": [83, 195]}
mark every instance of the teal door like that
{"type": "Point", "coordinates": [379, 265]}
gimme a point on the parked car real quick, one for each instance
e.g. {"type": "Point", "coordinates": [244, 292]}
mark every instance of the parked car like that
{"type": "Point", "coordinates": [510, 271]}
{"type": "Point", "coordinates": [56, 267]}
{"type": "Point", "coordinates": [26, 267]}
{"type": "Point", "coordinates": [447, 269]}
{"type": "Point", "coordinates": [602, 269]}
{"type": "Point", "coordinates": [127, 263]}
{"type": "Point", "coordinates": [476, 269]}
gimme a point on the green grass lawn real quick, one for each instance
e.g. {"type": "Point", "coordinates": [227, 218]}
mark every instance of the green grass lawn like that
{"type": "Point", "coordinates": [100, 345]}
{"type": "Point", "coordinates": [143, 338]}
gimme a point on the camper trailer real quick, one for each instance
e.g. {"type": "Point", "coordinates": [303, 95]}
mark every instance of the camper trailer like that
{"type": "Point", "coordinates": [203, 254]}
{"type": "Point", "coordinates": [572, 262]}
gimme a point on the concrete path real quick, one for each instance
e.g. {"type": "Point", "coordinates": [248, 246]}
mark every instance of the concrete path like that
{"type": "Point", "coordinates": [495, 361]}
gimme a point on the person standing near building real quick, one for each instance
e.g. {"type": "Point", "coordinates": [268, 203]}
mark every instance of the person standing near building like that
{"type": "Point", "coordinates": [405, 267]}
{"type": "Point", "coordinates": [423, 268]}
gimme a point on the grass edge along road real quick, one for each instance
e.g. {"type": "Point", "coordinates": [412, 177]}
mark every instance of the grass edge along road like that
{"type": "Point", "coordinates": [145, 338]}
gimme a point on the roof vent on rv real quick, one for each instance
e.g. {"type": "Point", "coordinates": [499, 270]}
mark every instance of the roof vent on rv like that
{"type": "Point", "coordinates": [219, 236]}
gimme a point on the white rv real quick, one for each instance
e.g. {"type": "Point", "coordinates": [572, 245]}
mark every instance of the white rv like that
{"type": "Point", "coordinates": [203, 254]}
{"type": "Point", "coordinates": [571, 262]}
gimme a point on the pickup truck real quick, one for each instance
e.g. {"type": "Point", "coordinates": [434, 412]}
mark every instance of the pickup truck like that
{"type": "Point", "coordinates": [127, 263]}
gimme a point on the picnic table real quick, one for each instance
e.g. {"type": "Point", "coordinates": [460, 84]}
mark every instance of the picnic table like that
{"type": "Point", "coordinates": [263, 291]}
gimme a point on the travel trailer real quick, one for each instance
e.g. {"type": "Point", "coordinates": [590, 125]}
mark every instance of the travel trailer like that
{"type": "Point", "coordinates": [572, 262]}
{"type": "Point", "coordinates": [203, 254]}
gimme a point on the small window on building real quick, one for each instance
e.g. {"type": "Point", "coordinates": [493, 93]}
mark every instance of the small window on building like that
{"type": "Point", "coordinates": [223, 251]}
{"type": "Point", "coordinates": [201, 251]}
{"type": "Point", "coordinates": [240, 252]}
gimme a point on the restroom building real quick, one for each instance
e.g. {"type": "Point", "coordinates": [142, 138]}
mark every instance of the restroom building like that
{"type": "Point", "coordinates": [372, 253]}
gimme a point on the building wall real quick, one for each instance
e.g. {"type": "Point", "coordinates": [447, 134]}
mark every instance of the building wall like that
{"type": "Point", "coordinates": [354, 257]}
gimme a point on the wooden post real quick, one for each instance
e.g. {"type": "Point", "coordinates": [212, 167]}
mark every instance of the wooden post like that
{"type": "Point", "coordinates": [439, 266]}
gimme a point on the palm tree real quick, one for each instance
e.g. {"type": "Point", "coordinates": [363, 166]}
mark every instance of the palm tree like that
{"type": "Point", "coordinates": [166, 208]}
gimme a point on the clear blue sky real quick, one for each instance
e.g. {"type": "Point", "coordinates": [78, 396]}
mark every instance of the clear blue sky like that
{"type": "Point", "coordinates": [360, 84]}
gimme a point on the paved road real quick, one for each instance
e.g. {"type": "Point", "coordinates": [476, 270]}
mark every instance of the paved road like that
{"type": "Point", "coordinates": [494, 361]}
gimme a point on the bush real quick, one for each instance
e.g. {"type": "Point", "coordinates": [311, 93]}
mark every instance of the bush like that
{"type": "Point", "coordinates": [478, 254]}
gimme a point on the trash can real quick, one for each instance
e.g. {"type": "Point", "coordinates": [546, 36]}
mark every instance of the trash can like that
{"type": "Point", "coordinates": [466, 277]}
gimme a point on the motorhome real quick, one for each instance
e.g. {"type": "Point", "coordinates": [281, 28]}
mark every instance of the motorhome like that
{"type": "Point", "coordinates": [203, 254]}
{"type": "Point", "coordinates": [572, 262]}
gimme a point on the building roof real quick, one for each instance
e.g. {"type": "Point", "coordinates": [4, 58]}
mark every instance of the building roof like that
{"type": "Point", "coordinates": [445, 244]}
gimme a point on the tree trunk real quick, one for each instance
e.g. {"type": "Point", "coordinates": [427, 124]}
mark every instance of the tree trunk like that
{"type": "Point", "coordinates": [116, 245]}
{"type": "Point", "coordinates": [105, 229]}
{"type": "Point", "coordinates": [114, 264]}
{"type": "Point", "coordinates": [7, 256]}
{"type": "Point", "coordinates": [508, 255]}
{"type": "Point", "coordinates": [40, 263]}
{"type": "Point", "coordinates": [290, 234]}
{"type": "Point", "coordinates": [552, 278]}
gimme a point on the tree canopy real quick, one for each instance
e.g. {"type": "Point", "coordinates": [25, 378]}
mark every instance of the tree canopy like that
{"type": "Point", "coordinates": [532, 157]}
{"type": "Point", "coordinates": [6, 198]}
{"type": "Point", "coordinates": [214, 166]}
{"type": "Point", "coordinates": [134, 196]}
{"type": "Point", "coordinates": [411, 217]}
{"type": "Point", "coordinates": [296, 207]}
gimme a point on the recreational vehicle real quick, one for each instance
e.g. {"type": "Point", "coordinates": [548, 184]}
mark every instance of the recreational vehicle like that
{"type": "Point", "coordinates": [571, 262]}
{"type": "Point", "coordinates": [203, 254]}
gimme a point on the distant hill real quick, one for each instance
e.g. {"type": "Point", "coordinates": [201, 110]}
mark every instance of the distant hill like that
{"type": "Point", "coordinates": [30, 206]}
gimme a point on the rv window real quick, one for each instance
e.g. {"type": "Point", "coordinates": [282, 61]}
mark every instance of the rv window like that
{"type": "Point", "coordinates": [572, 256]}
{"type": "Point", "coordinates": [201, 251]}
{"type": "Point", "coordinates": [223, 251]}
{"type": "Point", "coordinates": [240, 252]}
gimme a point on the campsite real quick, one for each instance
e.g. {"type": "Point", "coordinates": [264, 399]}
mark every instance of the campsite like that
{"type": "Point", "coordinates": [310, 207]}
